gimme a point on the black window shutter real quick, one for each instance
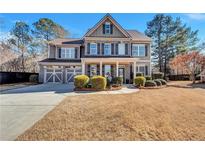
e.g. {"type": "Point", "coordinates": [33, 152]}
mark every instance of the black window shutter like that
{"type": "Point", "coordinates": [116, 48]}
{"type": "Point", "coordinates": [98, 69]}
{"type": "Point", "coordinates": [112, 49]}
{"type": "Point", "coordinates": [131, 50]}
{"type": "Point", "coordinates": [146, 50]}
{"type": "Point", "coordinates": [98, 48]}
{"type": "Point", "coordinates": [111, 28]}
{"type": "Point", "coordinates": [102, 48]}
{"type": "Point", "coordinates": [146, 70]}
{"type": "Point", "coordinates": [76, 52]}
{"type": "Point", "coordinates": [126, 49]}
{"type": "Point", "coordinates": [88, 71]}
{"type": "Point", "coordinates": [59, 52]}
{"type": "Point", "coordinates": [103, 28]}
{"type": "Point", "coordinates": [88, 48]}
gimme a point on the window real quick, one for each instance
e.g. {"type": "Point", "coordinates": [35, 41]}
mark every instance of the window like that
{"type": "Point", "coordinates": [107, 28]}
{"type": "Point", "coordinates": [107, 49]}
{"type": "Point", "coordinates": [93, 48]}
{"type": "Point", "coordinates": [107, 69]}
{"type": "Point", "coordinates": [140, 69]}
{"type": "Point", "coordinates": [138, 50]}
{"type": "Point", "coordinates": [93, 70]}
{"type": "Point", "coordinates": [141, 49]}
{"type": "Point", "coordinates": [121, 48]}
{"type": "Point", "coordinates": [68, 53]}
{"type": "Point", "coordinates": [134, 50]}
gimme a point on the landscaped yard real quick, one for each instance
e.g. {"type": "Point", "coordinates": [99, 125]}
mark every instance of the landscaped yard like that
{"type": "Point", "coordinates": [152, 114]}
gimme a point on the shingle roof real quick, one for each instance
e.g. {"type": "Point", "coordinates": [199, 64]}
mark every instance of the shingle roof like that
{"type": "Point", "coordinates": [138, 36]}
{"type": "Point", "coordinates": [61, 41]}
{"type": "Point", "coordinates": [61, 60]}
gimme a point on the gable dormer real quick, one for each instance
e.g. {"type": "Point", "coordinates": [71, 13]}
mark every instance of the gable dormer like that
{"type": "Point", "coordinates": [107, 27]}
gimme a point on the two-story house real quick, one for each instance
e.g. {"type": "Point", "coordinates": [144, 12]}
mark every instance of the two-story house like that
{"type": "Point", "coordinates": [106, 49]}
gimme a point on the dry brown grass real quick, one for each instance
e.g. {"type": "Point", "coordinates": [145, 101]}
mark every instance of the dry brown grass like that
{"type": "Point", "coordinates": [158, 114]}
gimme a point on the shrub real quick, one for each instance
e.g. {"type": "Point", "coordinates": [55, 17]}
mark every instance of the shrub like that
{"type": "Point", "coordinates": [163, 81]}
{"type": "Point", "coordinates": [81, 81]}
{"type": "Point", "coordinates": [150, 83]}
{"type": "Point", "coordinates": [98, 82]}
{"type": "Point", "coordinates": [33, 78]}
{"type": "Point", "coordinates": [158, 75]}
{"type": "Point", "coordinates": [108, 83]}
{"type": "Point", "coordinates": [139, 74]}
{"type": "Point", "coordinates": [117, 80]}
{"type": "Point", "coordinates": [88, 85]}
{"type": "Point", "coordinates": [158, 82]}
{"type": "Point", "coordinates": [140, 81]}
{"type": "Point", "coordinates": [148, 78]}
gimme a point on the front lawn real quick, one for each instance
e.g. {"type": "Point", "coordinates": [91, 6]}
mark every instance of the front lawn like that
{"type": "Point", "coordinates": [152, 114]}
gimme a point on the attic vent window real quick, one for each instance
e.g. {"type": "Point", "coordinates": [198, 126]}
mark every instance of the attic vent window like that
{"type": "Point", "coordinates": [107, 28]}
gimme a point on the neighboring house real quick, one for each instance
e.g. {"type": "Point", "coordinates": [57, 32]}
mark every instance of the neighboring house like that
{"type": "Point", "coordinates": [202, 76]}
{"type": "Point", "coordinates": [106, 49]}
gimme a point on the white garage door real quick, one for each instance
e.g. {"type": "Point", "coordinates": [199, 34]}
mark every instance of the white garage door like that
{"type": "Point", "coordinates": [54, 75]}
{"type": "Point", "coordinates": [71, 72]}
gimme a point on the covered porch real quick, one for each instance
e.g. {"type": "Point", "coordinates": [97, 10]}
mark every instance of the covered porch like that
{"type": "Point", "coordinates": [114, 67]}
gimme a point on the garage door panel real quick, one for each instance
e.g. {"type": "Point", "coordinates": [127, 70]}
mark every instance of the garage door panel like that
{"type": "Point", "coordinates": [58, 77]}
{"type": "Point", "coordinates": [72, 72]}
{"type": "Point", "coordinates": [54, 75]}
{"type": "Point", "coordinates": [70, 77]}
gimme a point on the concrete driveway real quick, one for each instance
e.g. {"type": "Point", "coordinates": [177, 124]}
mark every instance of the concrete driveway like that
{"type": "Point", "coordinates": [21, 108]}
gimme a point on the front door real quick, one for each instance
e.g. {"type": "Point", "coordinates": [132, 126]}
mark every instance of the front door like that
{"type": "Point", "coordinates": [121, 73]}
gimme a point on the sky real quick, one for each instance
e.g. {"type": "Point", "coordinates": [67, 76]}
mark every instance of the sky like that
{"type": "Point", "coordinates": [77, 24]}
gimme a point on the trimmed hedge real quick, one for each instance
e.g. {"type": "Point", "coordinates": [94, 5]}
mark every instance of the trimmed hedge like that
{"type": "Point", "coordinates": [33, 78]}
{"type": "Point", "coordinates": [150, 83]}
{"type": "Point", "coordinates": [158, 82]}
{"type": "Point", "coordinates": [158, 75]}
{"type": "Point", "coordinates": [139, 81]}
{"type": "Point", "coordinates": [164, 82]}
{"type": "Point", "coordinates": [139, 74]}
{"type": "Point", "coordinates": [98, 82]}
{"type": "Point", "coordinates": [81, 81]}
{"type": "Point", "coordinates": [117, 80]}
{"type": "Point", "coordinates": [148, 78]}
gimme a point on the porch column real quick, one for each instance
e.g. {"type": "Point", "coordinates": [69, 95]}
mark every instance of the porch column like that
{"type": "Point", "coordinates": [134, 71]}
{"type": "Point", "coordinates": [117, 68]}
{"type": "Point", "coordinates": [83, 67]}
{"type": "Point", "coordinates": [101, 68]}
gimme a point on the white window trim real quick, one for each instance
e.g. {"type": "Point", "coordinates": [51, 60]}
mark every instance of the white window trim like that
{"type": "Point", "coordinates": [96, 49]}
{"type": "Point", "coordinates": [138, 70]}
{"type": "Point", "coordinates": [110, 49]}
{"type": "Point", "coordinates": [119, 48]}
{"type": "Point", "coordinates": [105, 69]}
{"type": "Point", "coordinates": [65, 51]}
{"type": "Point", "coordinates": [107, 23]}
{"type": "Point", "coordinates": [95, 65]}
{"type": "Point", "coordinates": [138, 45]}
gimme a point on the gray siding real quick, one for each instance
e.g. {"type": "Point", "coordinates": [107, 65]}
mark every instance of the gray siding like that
{"type": "Point", "coordinates": [55, 54]}
{"type": "Point", "coordinates": [99, 32]}
{"type": "Point", "coordinates": [41, 74]}
{"type": "Point", "coordinates": [52, 52]}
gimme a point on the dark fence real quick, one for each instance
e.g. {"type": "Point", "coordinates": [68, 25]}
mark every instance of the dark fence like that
{"type": "Point", "coordinates": [14, 77]}
{"type": "Point", "coordinates": [181, 77]}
